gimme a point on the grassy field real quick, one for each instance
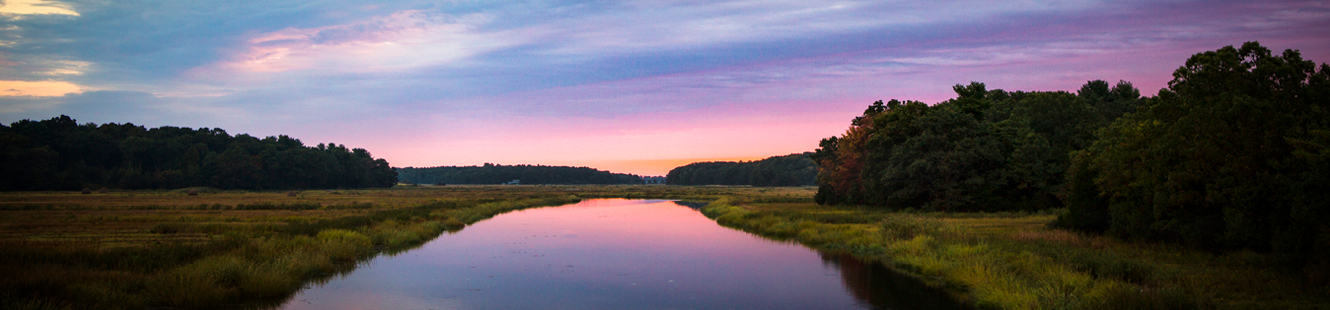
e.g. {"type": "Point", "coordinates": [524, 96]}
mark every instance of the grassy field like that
{"type": "Point", "coordinates": [1014, 261]}
{"type": "Point", "coordinates": [166, 249]}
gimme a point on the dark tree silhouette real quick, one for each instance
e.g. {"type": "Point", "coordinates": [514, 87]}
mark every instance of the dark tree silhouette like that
{"type": "Point", "coordinates": [787, 170]}
{"type": "Point", "coordinates": [526, 174]}
{"type": "Point", "coordinates": [60, 154]}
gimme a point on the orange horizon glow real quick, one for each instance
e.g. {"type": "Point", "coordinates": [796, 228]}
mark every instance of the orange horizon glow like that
{"type": "Point", "coordinates": [37, 89]}
{"type": "Point", "coordinates": [35, 7]}
{"type": "Point", "coordinates": [646, 167]}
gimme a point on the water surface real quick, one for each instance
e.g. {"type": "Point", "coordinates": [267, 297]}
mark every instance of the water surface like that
{"type": "Point", "coordinates": [608, 254]}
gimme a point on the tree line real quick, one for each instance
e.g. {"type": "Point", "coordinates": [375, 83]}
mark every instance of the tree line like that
{"type": "Point", "coordinates": [787, 170]}
{"type": "Point", "coordinates": [61, 154]}
{"type": "Point", "coordinates": [501, 174]}
{"type": "Point", "coordinates": [1233, 155]}
{"type": "Point", "coordinates": [985, 150]}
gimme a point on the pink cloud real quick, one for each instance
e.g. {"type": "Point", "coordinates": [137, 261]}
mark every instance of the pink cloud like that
{"type": "Point", "coordinates": [400, 41]}
{"type": "Point", "coordinates": [740, 108]}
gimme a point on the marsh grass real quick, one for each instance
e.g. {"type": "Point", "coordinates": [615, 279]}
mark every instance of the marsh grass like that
{"type": "Point", "coordinates": [1014, 261]}
{"type": "Point", "coordinates": [153, 249]}
{"type": "Point", "coordinates": [157, 249]}
{"type": "Point", "coordinates": [160, 249]}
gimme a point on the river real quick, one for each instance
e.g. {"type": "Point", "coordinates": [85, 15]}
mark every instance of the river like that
{"type": "Point", "coordinates": [614, 254]}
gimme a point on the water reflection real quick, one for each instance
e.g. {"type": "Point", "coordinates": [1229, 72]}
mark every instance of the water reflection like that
{"type": "Point", "coordinates": [691, 204]}
{"type": "Point", "coordinates": [604, 254]}
{"type": "Point", "coordinates": [883, 288]}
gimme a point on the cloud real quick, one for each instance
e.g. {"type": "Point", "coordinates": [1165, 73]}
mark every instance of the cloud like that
{"type": "Point", "coordinates": [91, 106]}
{"type": "Point", "coordinates": [65, 67]}
{"type": "Point", "coordinates": [593, 75]}
{"type": "Point", "coordinates": [35, 7]}
{"type": "Point", "coordinates": [640, 26]}
{"type": "Point", "coordinates": [37, 89]}
{"type": "Point", "coordinates": [403, 40]}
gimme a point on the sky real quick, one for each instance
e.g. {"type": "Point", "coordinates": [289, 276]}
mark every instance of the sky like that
{"type": "Point", "coordinates": [627, 86]}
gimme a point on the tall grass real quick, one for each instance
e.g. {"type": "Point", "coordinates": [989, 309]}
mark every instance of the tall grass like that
{"type": "Point", "coordinates": [210, 261]}
{"type": "Point", "coordinates": [162, 249]}
{"type": "Point", "coordinates": [1012, 261]}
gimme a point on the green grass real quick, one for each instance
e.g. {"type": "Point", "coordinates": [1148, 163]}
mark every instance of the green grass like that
{"type": "Point", "coordinates": [166, 249]}
{"type": "Point", "coordinates": [1014, 261]}
{"type": "Point", "coordinates": [112, 252]}
{"type": "Point", "coordinates": [160, 249]}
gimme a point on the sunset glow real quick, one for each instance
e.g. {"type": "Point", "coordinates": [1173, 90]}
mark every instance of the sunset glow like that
{"type": "Point", "coordinates": [635, 87]}
{"type": "Point", "coordinates": [38, 89]}
{"type": "Point", "coordinates": [35, 7]}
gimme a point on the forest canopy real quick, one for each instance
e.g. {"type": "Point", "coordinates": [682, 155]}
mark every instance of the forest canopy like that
{"type": "Point", "coordinates": [983, 150]}
{"type": "Point", "coordinates": [525, 174]}
{"type": "Point", "coordinates": [1233, 155]}
{"type": "Point", "coordinates": [60, 154]}
{"type": "Point", "coordinates": [787, 170]}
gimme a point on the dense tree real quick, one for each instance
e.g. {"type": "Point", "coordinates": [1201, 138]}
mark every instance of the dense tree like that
{"type": "Point", "coordinates": [787, 170]}
{"type": "Point", "coordinates": [983, 150]}
{"type": "Point", "coordinates": [1230, 156]}
{"type": "Point", "coordinates": [1110, 103]}
{"type": "Point", "coordinates": [526, 174]}
{"type": "Point", "coordinates": [60, 154]}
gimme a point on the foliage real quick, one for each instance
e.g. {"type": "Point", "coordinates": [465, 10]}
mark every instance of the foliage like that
{"type": "Point", "coordinates": [60, 154]}
{"type": "Point", "coordinates": [787, 170]}
{"type": "Point", "coordinates": [983, 150]}
{"type": "Point", "coordinates": [1231, 156]}
{"type": "Point", "coordinates": [500, 174]}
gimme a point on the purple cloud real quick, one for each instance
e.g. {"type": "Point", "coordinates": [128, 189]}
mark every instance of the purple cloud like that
{"type": "Point", "coordinates": [568, 82]}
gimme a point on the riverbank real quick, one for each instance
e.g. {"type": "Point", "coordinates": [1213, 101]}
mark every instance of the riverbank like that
{"type": "Point", "coordinates": [138, 249]}
{"type": "Point", "coordinates": [160, 249]}
{"type": "Point", "coordinates": [147, 249]}
{"type": "Point", "coordinates": [1014, 261]}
